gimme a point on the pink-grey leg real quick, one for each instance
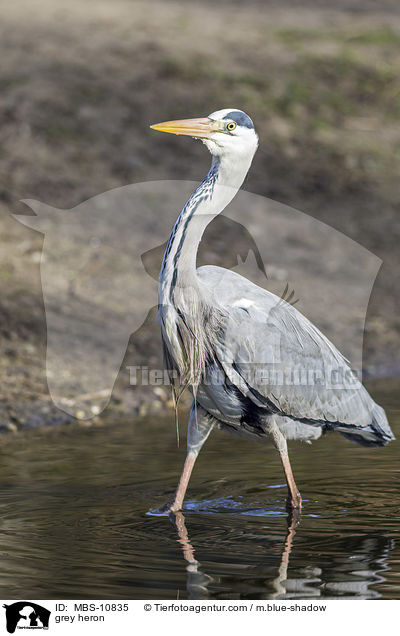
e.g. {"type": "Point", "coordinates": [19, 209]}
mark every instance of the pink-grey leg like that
{"type": "Point", "coordinates": [199, 428]}
{"type": "Point", "coordinates": [293, 501]}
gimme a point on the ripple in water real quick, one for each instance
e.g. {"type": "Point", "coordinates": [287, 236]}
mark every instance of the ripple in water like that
{"type": "Point", "coordinates": [74, 517]}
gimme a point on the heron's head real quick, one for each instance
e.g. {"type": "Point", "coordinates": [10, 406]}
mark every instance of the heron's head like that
{"type": "Point", "coordinates": [224, 132]}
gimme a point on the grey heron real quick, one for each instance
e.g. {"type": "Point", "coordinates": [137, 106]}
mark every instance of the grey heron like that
{"type": "Point", "coordinates": [219, 329]}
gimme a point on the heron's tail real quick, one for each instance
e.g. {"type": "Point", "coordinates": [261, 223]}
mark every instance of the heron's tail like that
{"type": "Point", "coordinates": [378, 433]}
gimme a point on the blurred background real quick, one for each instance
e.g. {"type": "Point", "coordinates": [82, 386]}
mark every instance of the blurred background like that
{"type": "Point", "coordinates": [81, 82]}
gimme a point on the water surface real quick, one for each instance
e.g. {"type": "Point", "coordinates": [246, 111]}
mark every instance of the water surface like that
{"type": "Point", "coordinates": [75, 520]}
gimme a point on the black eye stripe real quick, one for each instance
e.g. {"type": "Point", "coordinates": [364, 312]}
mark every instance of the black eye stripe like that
{"type": "Point", "coordinates": [240, 118]}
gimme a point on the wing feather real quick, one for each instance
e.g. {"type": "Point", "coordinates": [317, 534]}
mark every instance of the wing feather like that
{"type": "Point", "coordinates": [275, 356]}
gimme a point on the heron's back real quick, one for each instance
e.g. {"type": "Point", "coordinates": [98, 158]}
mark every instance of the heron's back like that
{"type": "Point", "coordinates": [274, 361]}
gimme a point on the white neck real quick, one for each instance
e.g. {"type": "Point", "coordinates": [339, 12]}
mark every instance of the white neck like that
{"type": "Point", "coordinates": [222, 182]}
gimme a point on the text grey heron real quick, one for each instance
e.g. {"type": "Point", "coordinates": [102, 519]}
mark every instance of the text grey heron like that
{"type": "Point", "coordinates": [219, 329]}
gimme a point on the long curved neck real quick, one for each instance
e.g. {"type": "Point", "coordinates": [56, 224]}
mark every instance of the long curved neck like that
{"type": "Point", "coordinates": [210, 198]}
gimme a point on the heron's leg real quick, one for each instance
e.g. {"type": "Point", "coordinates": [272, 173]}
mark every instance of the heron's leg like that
{"type": "Point", "coordinates": [199, 428]}
{"type": "Point", "coordinates": [294, 497]}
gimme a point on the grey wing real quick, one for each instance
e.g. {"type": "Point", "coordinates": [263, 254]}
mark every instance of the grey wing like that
{"type": "Point", "coordinates": [276, 357]}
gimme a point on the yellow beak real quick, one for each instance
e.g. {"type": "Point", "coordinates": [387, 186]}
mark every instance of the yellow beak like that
{"type": "Point", "coordinates": [199, 127]}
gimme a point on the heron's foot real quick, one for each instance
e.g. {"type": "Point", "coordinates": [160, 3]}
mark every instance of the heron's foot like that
{"type": "Point", "coordinates": [169, 507]}
{"type": "Point", "coordinates": [293, 518]}
{"type": "Point", "coordinates": [294, 503]}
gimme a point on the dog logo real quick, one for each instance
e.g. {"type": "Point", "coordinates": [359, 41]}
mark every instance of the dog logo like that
{"type": "Point", "coordinates": [26, 615]}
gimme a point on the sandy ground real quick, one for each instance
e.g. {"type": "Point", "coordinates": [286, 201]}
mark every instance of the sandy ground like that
{"type": "Point", "coordinates": [80, 84]}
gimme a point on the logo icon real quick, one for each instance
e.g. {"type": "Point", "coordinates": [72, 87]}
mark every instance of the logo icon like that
{"type": "Point", "coordinates": [100, 259]}
{"type": "Point", "coordinates": [26, 615]}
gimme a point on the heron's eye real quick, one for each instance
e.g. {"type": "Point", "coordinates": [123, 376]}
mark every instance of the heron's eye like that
{"type": "Point", "coordinates": [231, 126]}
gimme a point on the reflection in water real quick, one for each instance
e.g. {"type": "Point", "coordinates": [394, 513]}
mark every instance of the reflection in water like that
{"type": "Point", "coordinates": [367, 560]}
{"type": "Point", "coordinates": [197, 582]}
{"type": "Point", "coordinates": [279, 583]}
{"type": "Point", "coordinates": [73, 520]}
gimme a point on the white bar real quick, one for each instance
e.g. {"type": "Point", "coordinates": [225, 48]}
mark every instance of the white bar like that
{"type": "Point", "coordinates": [209, 617]}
